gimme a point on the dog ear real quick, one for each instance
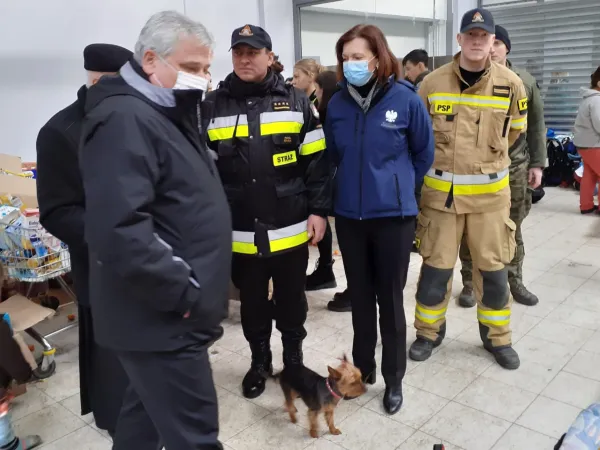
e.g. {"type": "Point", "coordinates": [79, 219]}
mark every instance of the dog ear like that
{"type": "Point", "coordinates": [345, 358]}
{"type": "Point", "coordinates": [334, 373]}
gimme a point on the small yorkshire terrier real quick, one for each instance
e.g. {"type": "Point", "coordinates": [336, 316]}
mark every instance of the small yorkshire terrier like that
{"type": "Point", "coordinates": [318, 393]}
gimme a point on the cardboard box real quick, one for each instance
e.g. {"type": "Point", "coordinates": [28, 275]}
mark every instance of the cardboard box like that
{"type": "Point", "coordinates": [24, 188]}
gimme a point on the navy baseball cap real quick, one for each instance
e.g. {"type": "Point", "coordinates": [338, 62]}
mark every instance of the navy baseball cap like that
{"type": "Point", "coordinates": [478, 18]}
{"type": "Point", "coordinates": [253, 36]}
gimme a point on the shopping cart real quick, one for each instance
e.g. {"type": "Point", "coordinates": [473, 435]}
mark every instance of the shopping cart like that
{"type": "Point", "coordinates": [33, 255]}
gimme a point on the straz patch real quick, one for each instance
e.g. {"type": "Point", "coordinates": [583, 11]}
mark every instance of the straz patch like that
{"type": "Point", "coordinates": [282, 159]}
{"type": "Point", "coordinates": [501, 91]}
{"type": "Point", "coordinates": [442, 108]}
{"type": "Point", "coordinates": [522, 104]}
{"type": "Point", "coordinates": [281, 106]}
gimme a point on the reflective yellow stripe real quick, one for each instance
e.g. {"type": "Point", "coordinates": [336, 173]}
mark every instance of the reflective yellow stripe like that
{"type": "Point", "coordinates": [280, 122]}
{"type": "Point", "coordinates": [244, 248]}
{"type": "Point", "coordinates": [314, 142]}
{"type": "Point", "coordinates": [482, 101]}
{"type": "Point", "coordinates": [436, 184]}
{"type": "Point", "coordinates": [497, 318]}
{"type": "Point", "coordinates": [467, 184]}
{"type": "Point", "coordinates": [221, 128]}
{"type": "Point", "coordinates": [280, 128]}
{"type": "Point", "coordinates": [429, 315]}
{"type": "Point", "coordinates": [281, 239]}
{"type": "Point", "coordinates": [518, 124]}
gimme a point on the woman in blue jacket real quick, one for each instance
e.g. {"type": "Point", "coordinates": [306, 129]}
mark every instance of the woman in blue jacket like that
{"type": "Point", "coordinates": [380, 138]}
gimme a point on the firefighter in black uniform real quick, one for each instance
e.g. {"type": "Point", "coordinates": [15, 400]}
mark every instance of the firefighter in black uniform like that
{"type": "Point", "coordinates": [273, 164]}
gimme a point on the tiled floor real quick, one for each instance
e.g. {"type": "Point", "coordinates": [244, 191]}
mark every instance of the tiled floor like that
{"type": "Point", "coordinates": [459, 397]}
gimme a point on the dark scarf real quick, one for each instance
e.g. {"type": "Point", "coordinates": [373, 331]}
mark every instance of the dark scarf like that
{"type": "Point", "coordinates": [240, 89]}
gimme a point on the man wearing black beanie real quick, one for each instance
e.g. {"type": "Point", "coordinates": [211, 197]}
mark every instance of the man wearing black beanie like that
{"type": "Point", "coordinates": [62, 206]}
{"type": "Point", "coordinates": [528, 158]}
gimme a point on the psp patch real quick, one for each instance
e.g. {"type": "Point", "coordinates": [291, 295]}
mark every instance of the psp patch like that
{"type": "Point", "coordinates": [442, 108]}
{"type": "Point", "coordinates": [522, 104]}
{"type": "Point", "coordinates": [283, 159]}
{"type": "Point", "coordinates": [281, 106]}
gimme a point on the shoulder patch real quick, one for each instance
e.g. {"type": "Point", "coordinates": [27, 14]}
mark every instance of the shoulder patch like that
{"type": "Point", "coordinates": [522, 105]}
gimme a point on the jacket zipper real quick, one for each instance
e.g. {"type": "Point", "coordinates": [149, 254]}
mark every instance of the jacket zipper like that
{"type": "Point", "coordinates": [356, 121]}
{"type": "Point", "coordinates": [362, 162]}
{"type": "Point", "coordinates": [398, 198]}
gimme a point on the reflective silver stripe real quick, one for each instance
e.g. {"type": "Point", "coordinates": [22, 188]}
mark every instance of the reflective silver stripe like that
{"type": "Point", "coordinates": [482, 317]}
{"type": "Point", "coordinates": [314, 136]}
{"type": "Point", "coordinates": [248, 236]}
{"type": "Point", "coordinates": [176, 258]}
{"type": "Point", "coordinates": [282, 116]}
{"type": "Point", "coordinates": [228, 121]}
{"type": "Point", "coordinates": [467, 179]}
{"type": "Point", "coordinates": [194, 283]}
{"type": "Point", "coordinates": [466, 100]}
{"type": "Point", "coordinates": [243, 236]}
{"type": "Point", "coordinates": [286, 232]}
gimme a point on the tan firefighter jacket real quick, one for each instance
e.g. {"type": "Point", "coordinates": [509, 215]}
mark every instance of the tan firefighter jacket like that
{"type": "Point", "coordinates": [473, 132]}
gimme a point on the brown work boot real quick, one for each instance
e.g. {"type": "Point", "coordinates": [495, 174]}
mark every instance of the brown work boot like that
{"type": "Point", "coordinates": [522, 295]}
{"type": "Point", "coordinates": [466, 299]}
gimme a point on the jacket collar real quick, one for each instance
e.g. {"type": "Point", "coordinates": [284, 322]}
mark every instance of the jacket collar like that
{"type": "Point", "coordinates": [486, 73]}
{"type": "Point", "coordinates": [161, 96]}
{"type": "Point", "coordinates": [81, 96]}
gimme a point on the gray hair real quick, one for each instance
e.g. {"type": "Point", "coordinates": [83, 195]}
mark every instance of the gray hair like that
{"type": "Point", "coordinates": [163, 31]}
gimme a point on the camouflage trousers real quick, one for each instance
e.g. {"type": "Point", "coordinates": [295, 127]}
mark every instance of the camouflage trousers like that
{"type": "Point", "coordinates": [520, 205]}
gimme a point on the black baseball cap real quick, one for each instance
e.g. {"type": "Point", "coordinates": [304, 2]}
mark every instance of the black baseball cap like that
{"type": "Point", "coordinates": [478, 18]}
{"type": "Point", "coordinates": [253, 36]}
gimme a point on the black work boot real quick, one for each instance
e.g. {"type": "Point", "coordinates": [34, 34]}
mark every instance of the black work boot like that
{"type": "Point", "coordinates": [506, 357]}
{"type": "Point", "coordinates": [421, 349]}
{"type": "Point", "coordinates": [322, 277]}
{"type": "Point", "coordinates": [340, 302]}
{"type": "Point", "coordinates": [292, 353]}
{"type": "Point", "coordinates": [466, 299]}
{"type": "Point", "coordinates": [522, 295]}
{"type": "Point", "coordinates": [260, 369]}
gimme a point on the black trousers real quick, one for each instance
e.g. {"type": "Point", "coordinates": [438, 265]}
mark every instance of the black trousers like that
{"type": "Point", "coordinates": [325, 246]}
{"type": "Point", "coordinates": [252, 274]}
{"type": "Point", "coordinates": [13, 365]}
{"type": "Point", "coordinates": [376, 259]}
{"type": "Point", "coordinates": [170, 402]}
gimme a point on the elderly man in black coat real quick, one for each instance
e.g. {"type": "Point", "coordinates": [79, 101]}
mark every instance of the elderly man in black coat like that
{"type": "Point", "coordinates": [62, 206]}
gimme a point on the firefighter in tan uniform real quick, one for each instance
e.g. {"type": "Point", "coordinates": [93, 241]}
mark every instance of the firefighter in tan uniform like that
{"type": "Point", "coordinates": [478, 109]}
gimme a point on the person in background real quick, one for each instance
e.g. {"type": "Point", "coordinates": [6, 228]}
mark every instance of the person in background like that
{"type": "Point", "coordinates": [527, 160]}
{"type": "Point", "coordinates": [277, 177]}
{"type": "Point", "coordinates": [13, 366]}
{"type": "Point", "coordinates": [61, 201]}
{"type": "Point", "coordinates": [305, 74]}
{"type": "Point", "coordinates": [478, 109]}
{"type": "Point", "coordinates": [587, 141]}
{"type": "Point", "coordinates": [277, 66]}
{"type": "Point", "coordinates": [158, 230]}
{"type": "Point", "coordinates": [380, 138]}
{"type": "Point", "coordinates": [416, 66]}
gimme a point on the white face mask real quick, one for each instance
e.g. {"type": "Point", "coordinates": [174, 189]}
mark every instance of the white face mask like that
{"type": "Point", "coordinates": [188, 81]}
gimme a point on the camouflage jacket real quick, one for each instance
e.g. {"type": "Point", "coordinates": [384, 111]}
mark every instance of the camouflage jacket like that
{"type": "Point", "coordinates": [530, 146]}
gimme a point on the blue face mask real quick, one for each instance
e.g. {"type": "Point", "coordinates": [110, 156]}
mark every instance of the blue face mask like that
{"type": "Point", "coordinates": [357, 72]}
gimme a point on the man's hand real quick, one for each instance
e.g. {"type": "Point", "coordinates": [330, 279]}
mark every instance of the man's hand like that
{"type": "Point", "coordinates": [316, 228]}
{"type": "Point", "coordinates": [535, 177]}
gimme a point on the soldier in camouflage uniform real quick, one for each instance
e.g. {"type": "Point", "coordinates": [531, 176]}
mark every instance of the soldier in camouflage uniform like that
{"type": "Point", "coordinates": [528, 158]}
